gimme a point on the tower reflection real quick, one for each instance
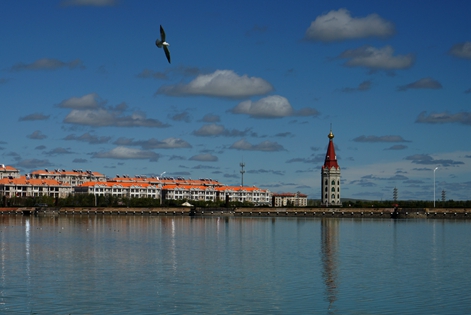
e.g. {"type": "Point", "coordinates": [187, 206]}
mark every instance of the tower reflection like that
{"type": "Point", "coordinates": [329, 231]}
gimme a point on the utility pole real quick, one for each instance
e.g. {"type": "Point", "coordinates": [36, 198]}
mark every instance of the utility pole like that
{"type": "Point", "coordinates": [434, 185]}
{"type": "Point", "coordinates": [242, 164]}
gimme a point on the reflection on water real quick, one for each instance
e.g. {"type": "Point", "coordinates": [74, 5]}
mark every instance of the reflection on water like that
{"type": "Point", "coordinates": [329, 231]}
{"type": "Point", "coordinates": [181, 265]}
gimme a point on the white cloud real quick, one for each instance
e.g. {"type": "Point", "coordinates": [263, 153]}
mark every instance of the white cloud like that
{"type": "Point", "coordinates": [210, 130]}
{"type": "Point", "coordinates": [37, 135]}
{"type": "Point", "coordinates": [105, 118]}
{"type": "Point", "coordinates": [461, 50]}
{"type": "Point", "coordinates": [35, 116]}
{"type": "Point", "coordinates": [213, 130]}
{"type": "Point", "coordinates": [34, 163]}
{"type": "Point", "coordinates": [84, 102]}
{"type": "Point", "coordinates": [397, 147]}
{"type": "Point", "coordinates": [442, 118]}
{"type": "Point", "coordinates": [169, 143]}
{"type": "Point", "coordinates": [58, 151]}
{"type": "Point", "coordinates": [363, 86]}
{"type": "Point", "coordinates": [221, 83]}
{"type": "Point", "coordinates": [274, 106]}
{"type": "Point", "coordinates": [48, 64]}
{"type": "Point", "coordinates": [211, 118]}
{"type": "Point", "coordinates": [266, 146]}
{"type": "Point", "coordinates": [376, 59]}
{"type": "Point", "coordinates": [389, 138]}
{"type": "Point", "coordinates": [206, 157]}
{"type": "Point", "coordinates": [123, 153]}
{"type": "Point", "coordinates": [93, 3]}
{"type": "Point", "coordinates": [424, 83]}
{"type": "Point", "coordinates": [340, 25]}
{"type": "Point", "coordinates": [87, 137]}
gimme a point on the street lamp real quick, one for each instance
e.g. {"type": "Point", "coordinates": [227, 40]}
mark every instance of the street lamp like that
{"type": "Point", "coordinates": [434, 186]}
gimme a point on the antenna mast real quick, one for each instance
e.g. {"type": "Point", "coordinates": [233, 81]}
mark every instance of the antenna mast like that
{"type": "Point", "coordinates": [242, 164]}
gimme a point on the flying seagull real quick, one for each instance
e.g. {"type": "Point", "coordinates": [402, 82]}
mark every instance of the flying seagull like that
{"type": "Point", "coordinates": [162, 43]}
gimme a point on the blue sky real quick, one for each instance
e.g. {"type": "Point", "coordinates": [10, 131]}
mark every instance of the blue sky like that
{"type": "Point", "coordinates": [83, 86]}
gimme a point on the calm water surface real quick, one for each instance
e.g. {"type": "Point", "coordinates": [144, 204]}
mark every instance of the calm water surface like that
{"type": "Point", "coordinates": [182, 265]}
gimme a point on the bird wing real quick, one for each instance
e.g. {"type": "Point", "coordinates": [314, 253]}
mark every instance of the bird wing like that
{"type": "Point", "coordinates": [162, 34]}
{"type": "Point", "coordinates": [167, 53]}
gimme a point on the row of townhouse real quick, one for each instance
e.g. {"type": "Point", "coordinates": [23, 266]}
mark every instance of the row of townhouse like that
{"type": "Point", "coordinates": [120, 189]}
{"type": "Point", "coordinates": [142, 189]}
{"type": "Point", "coordinates": [73, 177]}
{"type": "Point", "coordinates": [24, 186]}
{"type": "Point", "coordinates": [217, 193]}
{"type": "Point", "coordinates": [60, 183]}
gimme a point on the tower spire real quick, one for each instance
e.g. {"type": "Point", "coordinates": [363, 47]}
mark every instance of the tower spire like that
{"type": "Point", "coordinates": [330, 156]}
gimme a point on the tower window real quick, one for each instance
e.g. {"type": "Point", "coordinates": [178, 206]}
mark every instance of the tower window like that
{"type": "Point", "coordinates": [333, 189]}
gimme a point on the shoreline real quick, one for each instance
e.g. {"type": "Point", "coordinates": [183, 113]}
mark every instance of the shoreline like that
{"type": "Point", "coordinates": [386, 213]}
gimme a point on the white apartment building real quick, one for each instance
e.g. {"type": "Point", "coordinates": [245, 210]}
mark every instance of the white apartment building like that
{"type": "Point", "coordinates": [73, 177]}
{"type": "Point", "coordinates": [24, 186]}
{"type": "Point", "coordinates": [292, 199]}
{"type": "Point", "coordinates": [8, 171]}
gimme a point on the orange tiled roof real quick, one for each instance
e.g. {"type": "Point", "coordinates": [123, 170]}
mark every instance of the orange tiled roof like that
{"type": "Point", "coordinates": [185, 187]}
{"type": "Point", "coordinates": [65, 172]}
{"type": "Point", "coordinates": [168, 181]}
{"type": "Point", "coordinates": [240, 188]}
{"type": "Point", "coordinates": [116, 184]}
{"type": "Point", "coordinates": [23, 180]}
{"type": "Point", "coordinates": [8, 168]}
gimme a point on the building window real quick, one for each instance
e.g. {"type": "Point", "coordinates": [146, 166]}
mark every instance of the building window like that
{"type": "Point", "coordinates": [326, 189]}
{"type": "Point", "coordinates": [333, 189]}
{"type": "Point", "coordinates": [333, 182]}
{"type": "Point", "coordinates": [333, 196]}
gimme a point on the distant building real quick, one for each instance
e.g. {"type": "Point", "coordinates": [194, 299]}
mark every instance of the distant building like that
{"type": "Point", "coordinates": [120, 189]}
{"type": "Point", "coordinates": [169, 188]}
{"type": "Point", "coordinates": [252, 194]}
{"type": "Point", "coordinates": [60, 183]}
{"type": "Point", "coordinates": [73, 177]}
{"type": "Point", "coordinates": [330, 176]}
{"type": "Point", "coordinates": [25, 186]}
{"type": "Point", "coordinates": [289, 199]}
{"type": "Point", "coordinates": [8, 171]}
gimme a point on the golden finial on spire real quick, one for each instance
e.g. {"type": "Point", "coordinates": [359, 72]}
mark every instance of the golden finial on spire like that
{"type": "Point", "coordinates": [331, 135]}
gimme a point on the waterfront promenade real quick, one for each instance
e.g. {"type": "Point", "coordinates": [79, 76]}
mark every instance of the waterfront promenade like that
{"type": "Point", "coordinates": [430, 213]}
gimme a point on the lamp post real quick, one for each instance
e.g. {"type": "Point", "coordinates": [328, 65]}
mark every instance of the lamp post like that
{"type": "Point", "coordinates": [434, 185]}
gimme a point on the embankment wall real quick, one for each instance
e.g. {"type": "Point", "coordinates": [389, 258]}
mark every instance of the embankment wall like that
{"type": "Point", "coordinates": [429, 213]}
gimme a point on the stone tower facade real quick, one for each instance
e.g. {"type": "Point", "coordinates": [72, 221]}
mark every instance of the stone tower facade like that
{"type": "Point", "coordinates": [330, 176]}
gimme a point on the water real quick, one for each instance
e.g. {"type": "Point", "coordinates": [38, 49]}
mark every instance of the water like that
{"type": "Point", "coordinates": [182, 265]}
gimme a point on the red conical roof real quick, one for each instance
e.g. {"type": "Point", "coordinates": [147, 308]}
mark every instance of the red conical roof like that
{"type": "Point", "coordinates": [330, 156]}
